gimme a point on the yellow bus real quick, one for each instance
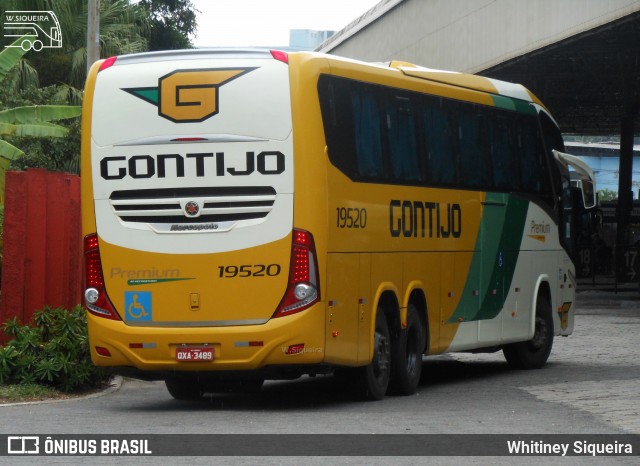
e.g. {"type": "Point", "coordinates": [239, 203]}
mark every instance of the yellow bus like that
{"type": "Point", "coordinates": [252, 215]}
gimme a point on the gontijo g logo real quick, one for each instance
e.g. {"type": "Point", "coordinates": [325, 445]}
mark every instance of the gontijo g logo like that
{"type": "Point", "coordinates": [188, 96]}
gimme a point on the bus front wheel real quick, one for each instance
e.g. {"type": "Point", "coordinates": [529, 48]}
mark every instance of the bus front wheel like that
{"type": "Point", "coordinates": [533, 354]}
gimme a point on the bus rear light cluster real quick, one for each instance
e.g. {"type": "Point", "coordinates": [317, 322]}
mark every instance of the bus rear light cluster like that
{"type": "Point", "coordinates": [108, 63]}
{"type": "Point", "coordinates": [280, 56]}
{"type": "Point", "coordinates": [302, 290]}
{"type": "Point", "coordinates": [95, 296]}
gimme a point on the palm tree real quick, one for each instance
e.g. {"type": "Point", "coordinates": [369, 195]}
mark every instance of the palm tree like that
{"type": "Point", "coordinates": [123, 27]}
{"type": "Point", "coordinates": [32, 120]}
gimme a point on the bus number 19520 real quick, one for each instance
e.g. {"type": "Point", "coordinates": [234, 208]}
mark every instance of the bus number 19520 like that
{"type": "Point", "coordinates": [348, 217]}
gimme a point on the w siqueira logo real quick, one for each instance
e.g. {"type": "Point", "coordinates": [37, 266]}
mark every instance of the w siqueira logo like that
{"type": "Point", "coordinates": [188, 96]}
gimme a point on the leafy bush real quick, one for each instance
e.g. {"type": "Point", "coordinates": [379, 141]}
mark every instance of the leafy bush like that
{"type": "Point", "coordinates": [55, 154]}
{"type": "Point", "coordinates": [53, 351]}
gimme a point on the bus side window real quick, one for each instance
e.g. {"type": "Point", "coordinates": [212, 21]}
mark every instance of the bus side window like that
{"type": "Point", "coordinates": [368, 137]}
{"type": "Point", "coordinates": [338, 123]}
{"type": "Point", "coordinates": [533, 167]}
{"type": "Point", "coordinates": [440, 156]}
{"type": "Point", "coordinates": [504, 156]}
{"type": "Point", "coordinates": [475, 168]}
{"type": "Point", "coordinates": [401, 137]}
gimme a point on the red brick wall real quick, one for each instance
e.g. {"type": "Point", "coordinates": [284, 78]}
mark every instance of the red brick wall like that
{"type": "Point", "coordinates": [42, 263]}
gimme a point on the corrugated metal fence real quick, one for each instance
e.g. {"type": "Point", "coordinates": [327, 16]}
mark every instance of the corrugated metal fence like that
{"type": "Point", "coordinates": [42, 263]}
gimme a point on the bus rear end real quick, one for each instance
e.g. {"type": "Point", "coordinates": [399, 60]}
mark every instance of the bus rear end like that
{"type": "Point", "coordinates": [192, 262]}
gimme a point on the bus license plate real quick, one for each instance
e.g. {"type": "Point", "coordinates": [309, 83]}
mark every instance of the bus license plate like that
{"type": "Point", "coordinates": [194, 354]}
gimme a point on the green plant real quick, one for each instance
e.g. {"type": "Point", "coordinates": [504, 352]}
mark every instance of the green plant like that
{"type": "Point", "coordinates": [52, 351]}
{"type": "Point", "coordinates": [607, 195]}
{"type": "Point", "coordinates": [31, 121]}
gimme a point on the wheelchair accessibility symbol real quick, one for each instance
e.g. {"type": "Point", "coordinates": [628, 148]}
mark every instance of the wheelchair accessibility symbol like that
{"type": "Point", "coordinates": [138, 305]}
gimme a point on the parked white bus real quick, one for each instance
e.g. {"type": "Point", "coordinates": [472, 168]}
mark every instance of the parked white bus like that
{"type": "Point", "coordinates": [253, 214]}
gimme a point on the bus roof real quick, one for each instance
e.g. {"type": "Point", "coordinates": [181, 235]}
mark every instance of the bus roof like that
{"type": "Point", "coordinates": [515, 94]}
{"type": "Point", "coordinates": [469, 81]}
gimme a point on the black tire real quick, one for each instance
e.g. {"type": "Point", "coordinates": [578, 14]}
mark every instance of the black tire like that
{"type": "Point", "coordinates": [406, 355]}
{"type": "Point", "coordinates": [184, 389]}
{"type": "Point", "coordinates": [371, 381]}
{"type": "Point", "coordinates": [234, 386]}
{"type": "Point", "coordinates": [533, 354]}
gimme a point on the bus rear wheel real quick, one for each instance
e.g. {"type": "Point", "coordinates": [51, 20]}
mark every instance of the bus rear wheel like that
{"type": "Point", "coordinates": [406, 355]}
{"type": "Point", "coordinates": [371, 381]}
{"type": "Point", "coordinates": [533, 354]}
{"type": "Point", "coordinates": [234, 386]}
{"type": "Point", "coordinates": [184, 389]}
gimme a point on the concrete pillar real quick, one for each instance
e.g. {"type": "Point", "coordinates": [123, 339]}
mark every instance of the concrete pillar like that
{"type": "Point", "coordinates": [625, 193]}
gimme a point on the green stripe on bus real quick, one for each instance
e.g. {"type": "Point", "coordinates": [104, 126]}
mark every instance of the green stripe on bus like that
{"type": "Point", "coordinates": [495, 256]}
{"type": "Point", "coordinates": [515, 105]}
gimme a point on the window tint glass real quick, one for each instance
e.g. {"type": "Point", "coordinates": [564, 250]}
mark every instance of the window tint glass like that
{"type": "Point", "coordinates": [504, 159]}
{"type": "Point", "coordinates": [438, 143]}
{"type": "Point", "coordinates": [473, 141]}
{"type": "Point", "coordinates": [368, 138]}
{"type": "Point", "coordinates": [381, 134]}
{"type": "Point", "coordinates": [403, 143]}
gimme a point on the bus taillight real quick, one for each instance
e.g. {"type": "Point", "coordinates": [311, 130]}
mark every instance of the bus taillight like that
{"type": "Point", "coordinates": [280, 56]}
{"type": "Point", "coordinates": [108, 63]}
{"type": "Point", "coordinates": [95, 296]}
{"type": "Point", "coordinates": [302, 290]}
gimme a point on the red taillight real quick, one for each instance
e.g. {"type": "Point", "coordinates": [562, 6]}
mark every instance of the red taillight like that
{"type": "Point", "coordinates": [192, 139]}
{"type": "Point", "coordinates": [107, 63]}
{"type": "Point", "coordinates": [93, 264]}
{"type": "Point", "coordinates": [303, 289]}
{"type": "Point", "coordinates": [95, 295]}
{"type": "Point", "coordinates": [300, 257]}
{"type": "Point", "coordinates": [280, 56]}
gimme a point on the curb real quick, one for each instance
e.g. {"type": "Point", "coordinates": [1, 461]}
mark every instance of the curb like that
{"type": "Point", "coordinates": [114, 385]}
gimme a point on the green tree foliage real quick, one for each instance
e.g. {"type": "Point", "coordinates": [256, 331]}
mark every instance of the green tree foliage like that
{"type": "Point", "coordinates": [25, 121]}
{"type": "Point", "coordinates": [124, 27]}
{"type": "Point", "coordinates": [607, 195]}
{"type": "Point", "coordinates": [172, 22]}
{"type": "Point", "coordinates": [53, 350]}
{"type": "Point", "coordinates": [55, 154]}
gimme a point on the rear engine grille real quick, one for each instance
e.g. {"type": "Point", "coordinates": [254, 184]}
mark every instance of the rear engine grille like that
{"type": "Point", "coordinates": [193, 205]}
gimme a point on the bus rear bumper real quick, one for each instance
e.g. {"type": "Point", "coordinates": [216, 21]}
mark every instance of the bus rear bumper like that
{"type": "Point", "coordinates": [297, 339]}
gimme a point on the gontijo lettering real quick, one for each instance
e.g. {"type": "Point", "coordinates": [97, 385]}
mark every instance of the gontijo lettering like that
{"type": "Point", "coordinates": [413, 219]}
{"type": "Point", "coordinates": [198, 164]}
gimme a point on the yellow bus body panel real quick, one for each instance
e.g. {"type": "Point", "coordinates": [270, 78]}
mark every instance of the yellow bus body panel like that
{"type": "Point", "coordinates": [235, 347]}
